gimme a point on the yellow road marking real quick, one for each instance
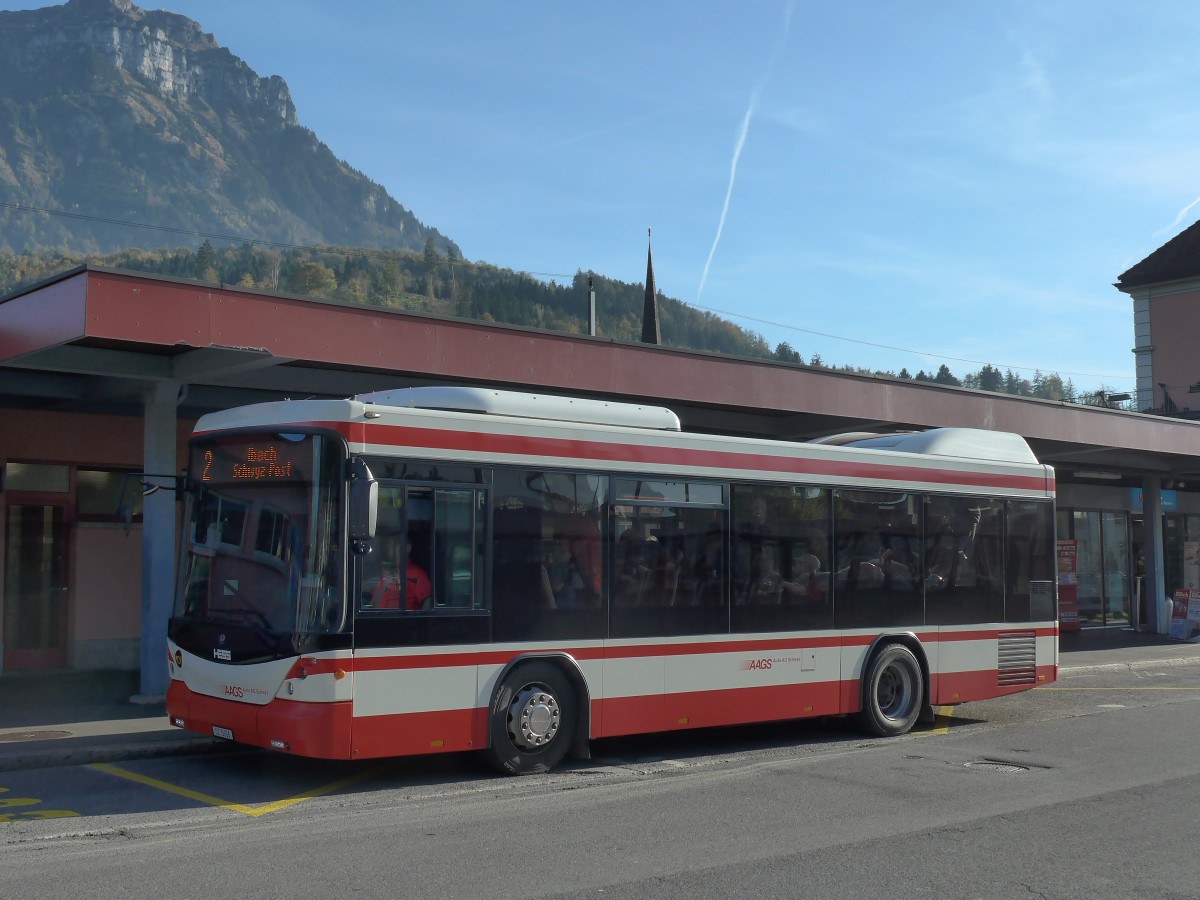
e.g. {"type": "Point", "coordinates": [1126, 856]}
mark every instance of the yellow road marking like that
{"type": "Point", "coordinates": [225, 804]}
{"type": "Point", "coordinates": [942, 720]}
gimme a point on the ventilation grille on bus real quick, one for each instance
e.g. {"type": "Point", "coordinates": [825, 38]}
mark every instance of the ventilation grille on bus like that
{"type": "Point", "coordinates": [1018, 658]}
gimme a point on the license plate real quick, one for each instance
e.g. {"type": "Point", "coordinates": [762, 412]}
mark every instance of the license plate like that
{"type": "Point", "coordinates": [223, 732]}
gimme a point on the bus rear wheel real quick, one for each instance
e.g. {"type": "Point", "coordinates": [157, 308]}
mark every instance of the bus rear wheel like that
{"type": "Point", "coordinates": [893, 692]}
{"type": "Point", "coordinates": [531, 721]}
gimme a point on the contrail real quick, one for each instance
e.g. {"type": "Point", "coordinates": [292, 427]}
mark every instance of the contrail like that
{"type": "Point", "coordinates": [737, 152]}
{"type": "Point", "coordinates": [1179, 218]}
{"type": "Point", "coordinates": [755, 95]}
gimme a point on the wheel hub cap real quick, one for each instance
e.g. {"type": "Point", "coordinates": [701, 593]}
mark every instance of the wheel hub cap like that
{"type": "Point", "coordinates": [534, 718]}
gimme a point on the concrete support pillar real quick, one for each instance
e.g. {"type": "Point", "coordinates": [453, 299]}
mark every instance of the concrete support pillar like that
{"type": "Point", "coordinates": [159, 518]}
{"type": "Point", "coordinates": [1152, 536]}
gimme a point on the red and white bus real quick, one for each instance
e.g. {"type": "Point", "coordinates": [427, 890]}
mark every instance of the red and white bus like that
{"type": "Point", "coordinates": [444, 569]}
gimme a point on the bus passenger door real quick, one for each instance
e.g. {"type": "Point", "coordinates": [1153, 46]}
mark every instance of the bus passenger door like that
{"type": "Point", "coordinates": [421, 613]}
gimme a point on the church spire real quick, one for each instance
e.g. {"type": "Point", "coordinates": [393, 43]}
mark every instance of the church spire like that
{"type": "Point", "coordinates": [650, 329]}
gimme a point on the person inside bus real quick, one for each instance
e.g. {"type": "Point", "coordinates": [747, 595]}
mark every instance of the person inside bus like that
{"type": "Point", "coordinates": [566, 579]}
{"type": "Point", "coordinates": [638, 555]}
{"type": "Point", "coordinates": [858, 558]}
{"type": "Point", "coordinates": [767, 586]}
{"type": "Point", "coordinates": [806, 567]}
{"type": "Point", "coordinates": [415, 582]}
{"type": "Point", "coordinates": [709, 570]}
{"type": "Point", "coordinates": [897, 562]}
{"type": "Point", "coordinates": [582, 535]}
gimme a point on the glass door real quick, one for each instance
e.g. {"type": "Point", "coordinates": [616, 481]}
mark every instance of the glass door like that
{"type": "Point", "coordinates": [1117, 568]}
{"type": "Point", "coordinates": [1105, 564]}
{"type": "Point", "coordinates": [35, 585]}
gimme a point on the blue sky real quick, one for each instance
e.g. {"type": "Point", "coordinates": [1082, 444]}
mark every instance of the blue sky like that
{"type": "Point", "coordinates": [887, 185]}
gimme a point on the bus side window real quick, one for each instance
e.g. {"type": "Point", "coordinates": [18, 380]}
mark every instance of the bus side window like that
{"type": "Point", "coordinates": [517, 569]}
{"type": "Point", "coordinates": [548, 554]}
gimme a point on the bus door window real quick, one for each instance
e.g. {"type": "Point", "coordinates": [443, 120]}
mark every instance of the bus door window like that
{"type": "Point", "coordinates": [426, 554]}
{"type": "Point", "coordinates": [380, 583]}
{"type": "Point", "coordinates": [456, 548]}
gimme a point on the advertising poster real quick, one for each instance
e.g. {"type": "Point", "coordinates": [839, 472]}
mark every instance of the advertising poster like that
{"type": "Point", "coordinates": [1068, 586]}
{"type": "Point", "coordinates": [1191, 565]}
{"type": "Point", "coordinates": [1185, 616]}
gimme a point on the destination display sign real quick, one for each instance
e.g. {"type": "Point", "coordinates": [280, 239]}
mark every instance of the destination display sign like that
{"type": "Point", "coordinates": [266, 460]}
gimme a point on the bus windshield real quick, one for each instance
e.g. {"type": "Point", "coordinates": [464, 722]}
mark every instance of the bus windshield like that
{"type": "Point", "coordinates": [262, 545]}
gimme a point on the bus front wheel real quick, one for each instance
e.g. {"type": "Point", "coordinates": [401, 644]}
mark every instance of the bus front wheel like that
{"type": "Point", "coordinates": [531, 720]}
{"type": "Point", "coordinates": [893, 692]}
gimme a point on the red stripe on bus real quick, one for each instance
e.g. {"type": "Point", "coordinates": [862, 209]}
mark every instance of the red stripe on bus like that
{"type": "Point", "coordinates": [476, 442]}
{"type": "Point", "coordinates": [636, 651]}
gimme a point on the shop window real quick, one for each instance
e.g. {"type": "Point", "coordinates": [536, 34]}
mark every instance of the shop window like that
{"type": "Point", "coordinates": [37, 478]}
{"type": "Point", "coordinates": [107, 495]}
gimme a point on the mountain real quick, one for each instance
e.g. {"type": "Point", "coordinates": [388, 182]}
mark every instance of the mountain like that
{"type": "Point", "coordinates": [113, 112]}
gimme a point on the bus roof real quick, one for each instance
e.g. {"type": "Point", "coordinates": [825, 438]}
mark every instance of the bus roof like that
{"type": "Point", "coordinates": [966, 443]}
{"type": "Point", "coordinates": [527, 406]}
{"type": "Point", "coordinates": [555, 431]}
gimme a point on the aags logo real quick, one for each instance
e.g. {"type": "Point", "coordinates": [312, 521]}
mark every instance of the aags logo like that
{"type": "Point", "coordinates": [756, 664]}
{"type": "Point", "coordinates": [232, 690]}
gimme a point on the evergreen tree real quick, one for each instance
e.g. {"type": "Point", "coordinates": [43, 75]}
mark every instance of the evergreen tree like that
{"type": "Point", "coordinates": [991, 379]}
{"type": "Point", "coordinates": [206, 263]}
{"type": "Point", "coordinates": [206, 257]}
{"type": "Point", "coordinates": [945, 376]}
{"type": "Point", "coordinates": [785, 353]}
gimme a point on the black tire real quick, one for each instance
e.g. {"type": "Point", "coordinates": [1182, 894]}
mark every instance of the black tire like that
{"type": "Point", "coordinates": [532, 720]}
{"type": "Point", "coordinates": [893, 692]}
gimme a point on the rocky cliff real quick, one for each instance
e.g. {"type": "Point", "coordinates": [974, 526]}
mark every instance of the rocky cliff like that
{"type": "Point", "coordinates": [110, 111]}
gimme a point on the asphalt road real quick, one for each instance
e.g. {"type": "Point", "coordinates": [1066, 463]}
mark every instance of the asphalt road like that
{"type": "Point", "coordinates": [1086, 789]}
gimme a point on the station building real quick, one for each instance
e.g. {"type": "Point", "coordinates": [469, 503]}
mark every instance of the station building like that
{"type": "Point", "coordinates": [104, 372]}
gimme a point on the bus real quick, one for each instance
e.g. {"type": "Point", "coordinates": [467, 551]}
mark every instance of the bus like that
{"type": "Point", "coordinates": [443, 569]}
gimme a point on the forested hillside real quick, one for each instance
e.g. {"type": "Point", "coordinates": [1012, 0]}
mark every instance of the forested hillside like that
{"type": "Point", "coordinates": [430, 282]}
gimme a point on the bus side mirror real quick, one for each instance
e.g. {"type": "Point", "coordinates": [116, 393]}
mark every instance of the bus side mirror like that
{"type": "Point", "coordinates": [364, 502]}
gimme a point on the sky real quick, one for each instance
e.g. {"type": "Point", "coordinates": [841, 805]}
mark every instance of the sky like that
{"type": "Point", "coordinates": [884, 185]}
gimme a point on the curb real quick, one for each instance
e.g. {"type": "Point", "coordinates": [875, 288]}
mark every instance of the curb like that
{"type": "Point", "coordinates": [46, 758]}
{"type": "Point", "coordinates": [1132, 665]}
